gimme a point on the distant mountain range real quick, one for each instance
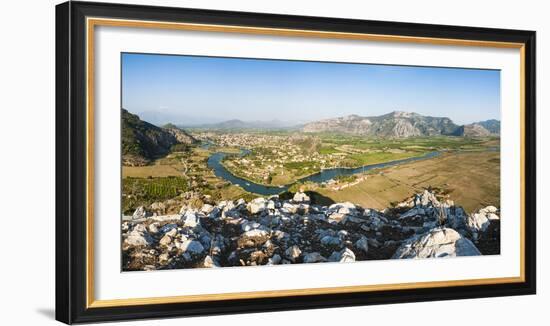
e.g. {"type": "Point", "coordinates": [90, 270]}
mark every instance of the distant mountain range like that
{"type": "Point", "coordinates": [142, 141]}
{"type": "Point", "coordinates": [399, 124]}
{"type": "Point", "coordinates": [236, 124]}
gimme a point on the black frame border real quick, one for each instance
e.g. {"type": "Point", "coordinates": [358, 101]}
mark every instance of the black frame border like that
{"type": "Point", "coordinates": [71, 161]}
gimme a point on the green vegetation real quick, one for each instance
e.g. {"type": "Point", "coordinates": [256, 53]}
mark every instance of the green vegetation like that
{"type": "Point", "coordinates": [299, 165]}
{"type": "Point", "coordinates": [346, 178]}
{"type": "Point", "coordinates": [327, 150]}
{"type": "Point", "coordinates": [381, 157]}
{"type": "Point", "coordinates": [432, 143]}
{"type": "Point", "coordinates": [145, 191]}
{"type": "Point", "coordinates": [180, 148]}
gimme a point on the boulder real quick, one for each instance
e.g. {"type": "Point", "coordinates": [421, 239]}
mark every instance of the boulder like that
{"type": "Point", "coordinates": [139, 228]}
{"type": "Point", "coordinates": [301, 197]}
{"type": "Point", "coordinates": [247, 226]}
{"type": "Point", "coordinates": [172, 233]}
{"type": "Point", "coordinates": [314, 257]}
{"type": "Point", "coordinates": [328, 240]}
{"type": "Point", "coordinates": [166, 240]}
{"type": "Point", "coordinates": [253, 238]}
{"type": "Point", "coordinates": [362, 244]}
{"type": "Point", "coordinates": [353, 219]}
{"type": "Point", "coordinates": [456, 218]}
{"type": "Point", "coordinates": [490, 209]}
{"type": "Point", "coordinates": [226, 205]}
{"type": "Point", "coordinates": [491, 212]}
{"type": "Point", "coordinates": [274, 260]}
{"type": "Point", "coordinates": [138, 238]}
{"type": "Point", "coordinates": [231, 214]}
{"type": "Point", "coordinates": [153, 227]}
{"type": "Point", "coordinates": [438, 242]}
{"type": "Point", "coordinates": [416, 211]}
{"type": "Point", "coordinates": [342, 208]}
{"type": "Point", "coordinates": [168, 227]}
{"type": "Point", "coordinates": [164, 259]}
{"type": "Point", "coordinates": [426, 199]}
{"type": "Point", "coordinates": [293, 253]}
{"type": "Point", "coordinates": [207, 208]}
{"type": "Point", "coordinates": [257, 205]}
{"type": "Point", "coordinates": [210, 262]}
{"type": "Point", "coordinates": [337, 212]}
{"type": "Point", "coordinates": [478, 222]}
{"type": "Point", "coordinates": [190, 219]}
{"type": "Point", "coordinates": [192, 247]}
{"type": "Point", "coordinates": [289, 208]}
{"type": "Point", "coordinates": [343, 256]}
{"type": "Point", "coordinates": [140, 213]}
{"type": "Point", "coordinates": [270, 205]}
{"type": "Point", "coordinates": [302, 209]}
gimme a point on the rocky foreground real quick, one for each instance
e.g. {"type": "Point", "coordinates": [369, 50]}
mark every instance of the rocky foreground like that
{"type": "Point", "coordinates": [274, 231]}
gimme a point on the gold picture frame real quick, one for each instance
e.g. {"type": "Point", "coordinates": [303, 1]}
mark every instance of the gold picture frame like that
{"type": "Point", "coordinates": [90, 16]}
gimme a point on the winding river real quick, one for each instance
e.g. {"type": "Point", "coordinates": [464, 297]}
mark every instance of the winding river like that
{"type": "Point", "coordinates": [215, 163]}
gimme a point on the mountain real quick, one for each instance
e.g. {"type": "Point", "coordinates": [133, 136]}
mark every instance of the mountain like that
{"type": "Point", "coordinates": [142, 141]}
{"type": "Point", "coordinates": [480, 129]}
{"type": "Point", "coordinates": [396, 124]}
{"type": "Point", "coordinates": [493, 126]}
{"type": "Point", "coordinates": [236, 124]}
{"type": "Point", "coordinates": [472, 130]}
{"type": "Point", "coordinates": [181, 135]}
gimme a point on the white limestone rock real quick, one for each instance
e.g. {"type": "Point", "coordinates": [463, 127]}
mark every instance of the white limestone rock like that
{"type": "Point", "coordinates": [314, 257]}
{"type": "Point", "coordinates": [257, 205]}
{"type": "Point", "coordinates": [301, 197]}
{"type": "Point", "coordinates": [439, 242]}
{"type": "Point", "coordinates": [293, 253]}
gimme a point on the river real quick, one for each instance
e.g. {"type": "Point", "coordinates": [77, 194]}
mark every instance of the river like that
{"type": "Point", "coordinates": [215, 163]}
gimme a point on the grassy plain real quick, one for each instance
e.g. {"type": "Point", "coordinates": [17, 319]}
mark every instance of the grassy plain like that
{"type": "Point", "coordinates": [471, 179]}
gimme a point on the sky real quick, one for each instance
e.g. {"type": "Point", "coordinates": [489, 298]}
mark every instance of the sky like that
{"type": "Point", "coordinates": [191, 90]}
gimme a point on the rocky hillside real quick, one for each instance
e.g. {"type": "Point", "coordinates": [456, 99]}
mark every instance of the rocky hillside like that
{"type": "Point", "coordinates": [472, 130]}
{"type": "Point", "coordinates": [181, 135]}
{"type": "Point", "coordinates": [274, 231]}
{"type": "Point", "coordinates": [142, 141]}
{"type": "Point", "coordinates": [397, 124]}
{"type": "Point", "coordinates": [493, 126]}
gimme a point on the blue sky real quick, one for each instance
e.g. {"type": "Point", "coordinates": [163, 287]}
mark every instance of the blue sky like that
{"type": "Point", "coordinates": [191, 90]}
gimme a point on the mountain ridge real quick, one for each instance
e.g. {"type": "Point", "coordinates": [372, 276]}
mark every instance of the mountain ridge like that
{"type": "Point", "coordinates": [401, 124]}
{"type": "Point", "coordinates": [235, 124]}
{"type": "Point", "coordinates": [143, 141]}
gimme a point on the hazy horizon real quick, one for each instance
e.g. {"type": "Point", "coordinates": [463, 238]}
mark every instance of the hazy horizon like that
{"type": "Point", "coordinates": [191, 90]}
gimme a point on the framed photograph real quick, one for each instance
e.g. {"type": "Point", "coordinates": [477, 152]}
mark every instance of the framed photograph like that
{"type": "Point", "coordinates": [215, 162]}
